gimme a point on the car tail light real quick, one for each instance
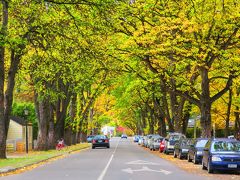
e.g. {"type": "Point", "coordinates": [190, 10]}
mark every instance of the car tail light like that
{"type": "Point", "coordinates": [94, 141]}
{"type": "Point", "coordinates": [106, 140]}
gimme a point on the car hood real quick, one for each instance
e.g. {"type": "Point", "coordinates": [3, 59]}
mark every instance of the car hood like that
{"type": "Point", "coordinates": [227, 154]}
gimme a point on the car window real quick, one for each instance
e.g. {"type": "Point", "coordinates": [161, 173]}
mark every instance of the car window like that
{"type": "Point", "coordinates": [226, 146]}
{"type": "Point", "coordinates": [201, 143]}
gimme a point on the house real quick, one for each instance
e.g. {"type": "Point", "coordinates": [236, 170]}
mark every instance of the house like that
{"type": "Point", "coordinates": [16, 138]}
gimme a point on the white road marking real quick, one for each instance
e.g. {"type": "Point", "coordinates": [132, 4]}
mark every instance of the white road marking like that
{"type": "Point", "coordinates": [108, 164]}
{"type": "Point", "coordinates": [141, 162]}
{"type": "Point", "coordinates": [144, 168]}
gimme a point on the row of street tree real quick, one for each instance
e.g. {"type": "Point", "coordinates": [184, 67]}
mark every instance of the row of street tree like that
{"type": "Point", "coordinates": [160, 62]}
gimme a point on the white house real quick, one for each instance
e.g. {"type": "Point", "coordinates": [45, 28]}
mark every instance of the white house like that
{"type": "Point", "coordinates": [16, 138]}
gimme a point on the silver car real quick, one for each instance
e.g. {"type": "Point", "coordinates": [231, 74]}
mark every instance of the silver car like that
{"type": "Point", "coordinates": [155, 142]}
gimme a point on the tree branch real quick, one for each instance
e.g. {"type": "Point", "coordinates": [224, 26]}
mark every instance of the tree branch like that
{"type": "Point", "coordinates": [224, 90]}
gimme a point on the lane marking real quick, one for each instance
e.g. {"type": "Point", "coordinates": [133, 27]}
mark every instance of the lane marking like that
{"type": "Point", "coordinates": [145, 168]}
{"type": "Point", "coordinates": [141, 162]}
{"type": "Point", "coordinates": [108, 164]}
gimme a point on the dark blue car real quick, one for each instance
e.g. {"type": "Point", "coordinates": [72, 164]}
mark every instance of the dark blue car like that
{"type": "Point", "coordinates": [221, 154]}
{"type": "Point", "coordinates": [195, 151]}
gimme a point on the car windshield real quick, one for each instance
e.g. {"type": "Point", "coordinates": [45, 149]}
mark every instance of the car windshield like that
{"type": "Point", "coordinates": [201, 143]}
{"type": "Point", "coordinates": [226, 146]}
{"type": "Point", "coordinates": [100, 137]}
{"type": "Point", "coordinates": [174, 138]}
{"type": "Point", "coordinates": [185, 143]}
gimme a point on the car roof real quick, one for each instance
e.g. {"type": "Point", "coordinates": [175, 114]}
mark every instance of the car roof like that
{"type": "Point", "coordinates": [224, 139]}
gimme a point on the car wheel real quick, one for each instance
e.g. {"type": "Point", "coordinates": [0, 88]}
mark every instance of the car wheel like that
{"type": "Point", "coordinates": [174, 154]}
{"type": "Point", "coordinates": [209, 168]}
{"type": "Point", "coordinates": [188, 158]}
{"type": "Point", "coordinates": [195, 159]}
{"type": "Point", "coordinates": [108, 146]}
{"type": "Point", "coordinates": [93, 147]}
{"type": "Point", "coordinates": [180, 155]}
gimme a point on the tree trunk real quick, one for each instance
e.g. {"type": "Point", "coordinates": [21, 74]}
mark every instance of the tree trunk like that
{"type": "Point", "coordinates": [42, 141]}
{"type": "Point", "coordinates": [237, 117]}
{"type": "Point", "coordinates": [51, 141]}
{"type": "Point", "coordinates": [68, 136]}
{"type": "Point", "coordinates": [228, 113]}
{"type": "Point", "coordinates": [186, 116]}
{"type": "Point", "coordinates": [3, 130]}
{"type": "Point", "coordinates": [165, 105]}
{"type": "Point", "coordinates": [160, 115]}
{"type": "Point", "coordinates": [205, 104]}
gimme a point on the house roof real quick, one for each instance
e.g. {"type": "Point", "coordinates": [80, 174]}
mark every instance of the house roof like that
{"type": "Point", "coordinates": [18, 120]}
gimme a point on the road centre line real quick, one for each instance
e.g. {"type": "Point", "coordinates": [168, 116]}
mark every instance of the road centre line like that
{"type": "Point", "coordinates": [108, 164]}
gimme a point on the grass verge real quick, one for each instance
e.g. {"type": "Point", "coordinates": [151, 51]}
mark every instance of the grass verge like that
{"type": "Point", "coordinates": [20, 162]}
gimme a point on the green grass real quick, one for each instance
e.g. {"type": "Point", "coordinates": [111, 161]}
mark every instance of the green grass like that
{"type": "Point", "coordinates": [37, 156]}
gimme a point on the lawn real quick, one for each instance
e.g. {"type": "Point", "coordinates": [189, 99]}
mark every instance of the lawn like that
{"type": "Point", "coordinates": [17, 160]}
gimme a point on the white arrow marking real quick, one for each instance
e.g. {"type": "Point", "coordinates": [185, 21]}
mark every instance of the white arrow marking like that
{"type": "Point", "coordinates": [141, 162]}
{"type": "Point", "coordinates": [144, 168]}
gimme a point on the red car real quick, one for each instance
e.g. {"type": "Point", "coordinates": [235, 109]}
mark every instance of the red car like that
{"type": "Point", "coordinates": [162, 145]}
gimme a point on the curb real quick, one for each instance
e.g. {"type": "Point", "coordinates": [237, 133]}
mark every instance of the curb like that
{"type": "Point", "coordinates": [5, 171]}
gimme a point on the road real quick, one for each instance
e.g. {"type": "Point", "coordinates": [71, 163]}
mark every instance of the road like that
{"type": "Point", "coordinates": [123, 161]}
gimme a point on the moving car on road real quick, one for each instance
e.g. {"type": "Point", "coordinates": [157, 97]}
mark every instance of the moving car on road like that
{"type": "Point", "coordinates": [100, 141]}
{"type": "Point", "coordinates": [196, 150]}
{"type": "Point", "coordinates": [123, 136]}
{"type": "Point", "coordinates": [221, 154]}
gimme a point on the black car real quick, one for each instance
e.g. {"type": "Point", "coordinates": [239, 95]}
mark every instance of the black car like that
{"type": "Point", "coordinates": [195, 152]}
{"type": "Point", "coordinates": [100, 141]}
{"type": "Point", "coordinates": [181, 148]}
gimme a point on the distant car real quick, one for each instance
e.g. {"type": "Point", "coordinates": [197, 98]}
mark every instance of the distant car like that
{"type": "Point", "coordinates": [124, 136]}
{"type": "Point", "coordinates": [100, 141]}
{"type": "Point", "coordinates": [181, 148]}
{"type": "Point", "coordinates": [171, 140]}
{"type": "Point", "coordinates": [155, 142]}
{"type": "Point", "coordinates": [196, 150]}
{"type": "Point", "coordinates": [147, 139]}
{"type": "Point", "coordinates": [135, 138]}
{"type": "Point", "coordinates": [90, 138]}
{"type": "Point", "coordinates": [221, 154]}
{"type": "Point", "coordinates": [162, 145]}
{"type": "Point", "coordinates": [140, 141]}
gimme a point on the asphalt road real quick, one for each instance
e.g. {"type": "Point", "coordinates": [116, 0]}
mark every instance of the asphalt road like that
{"type": "Point", "coordinates": [123, 161]}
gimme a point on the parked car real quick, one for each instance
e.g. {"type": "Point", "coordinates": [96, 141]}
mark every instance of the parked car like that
{"type": "Point", "coordinates": [171, 140]}
{"type": "Point", "coordinates": [135, 138]}
{"type": "Point", "coordinates": [154, 142]}
{"type": "Point", "coordinates": [140, 141]}
{"type": "Point", "coordinates": [181, 148]}
{"type": "Point", "coordinates": [100, 141]}
{"type": "Point", "coordinates": [221, 154]}
{"type": "Point", "coordinates": [196, 150]}
{"type": "Point", "coordinates": [90, 138]}
{"type": "Point", "coordinates": [123, 136]}
{"type": "Point", "coordinates": [162, 145]}
{"type": "Point", "coordinates": [146, 141]}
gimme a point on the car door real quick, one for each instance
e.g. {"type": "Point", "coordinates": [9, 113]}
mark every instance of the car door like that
{"type": "Point", "coordinates": [206, 152]}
